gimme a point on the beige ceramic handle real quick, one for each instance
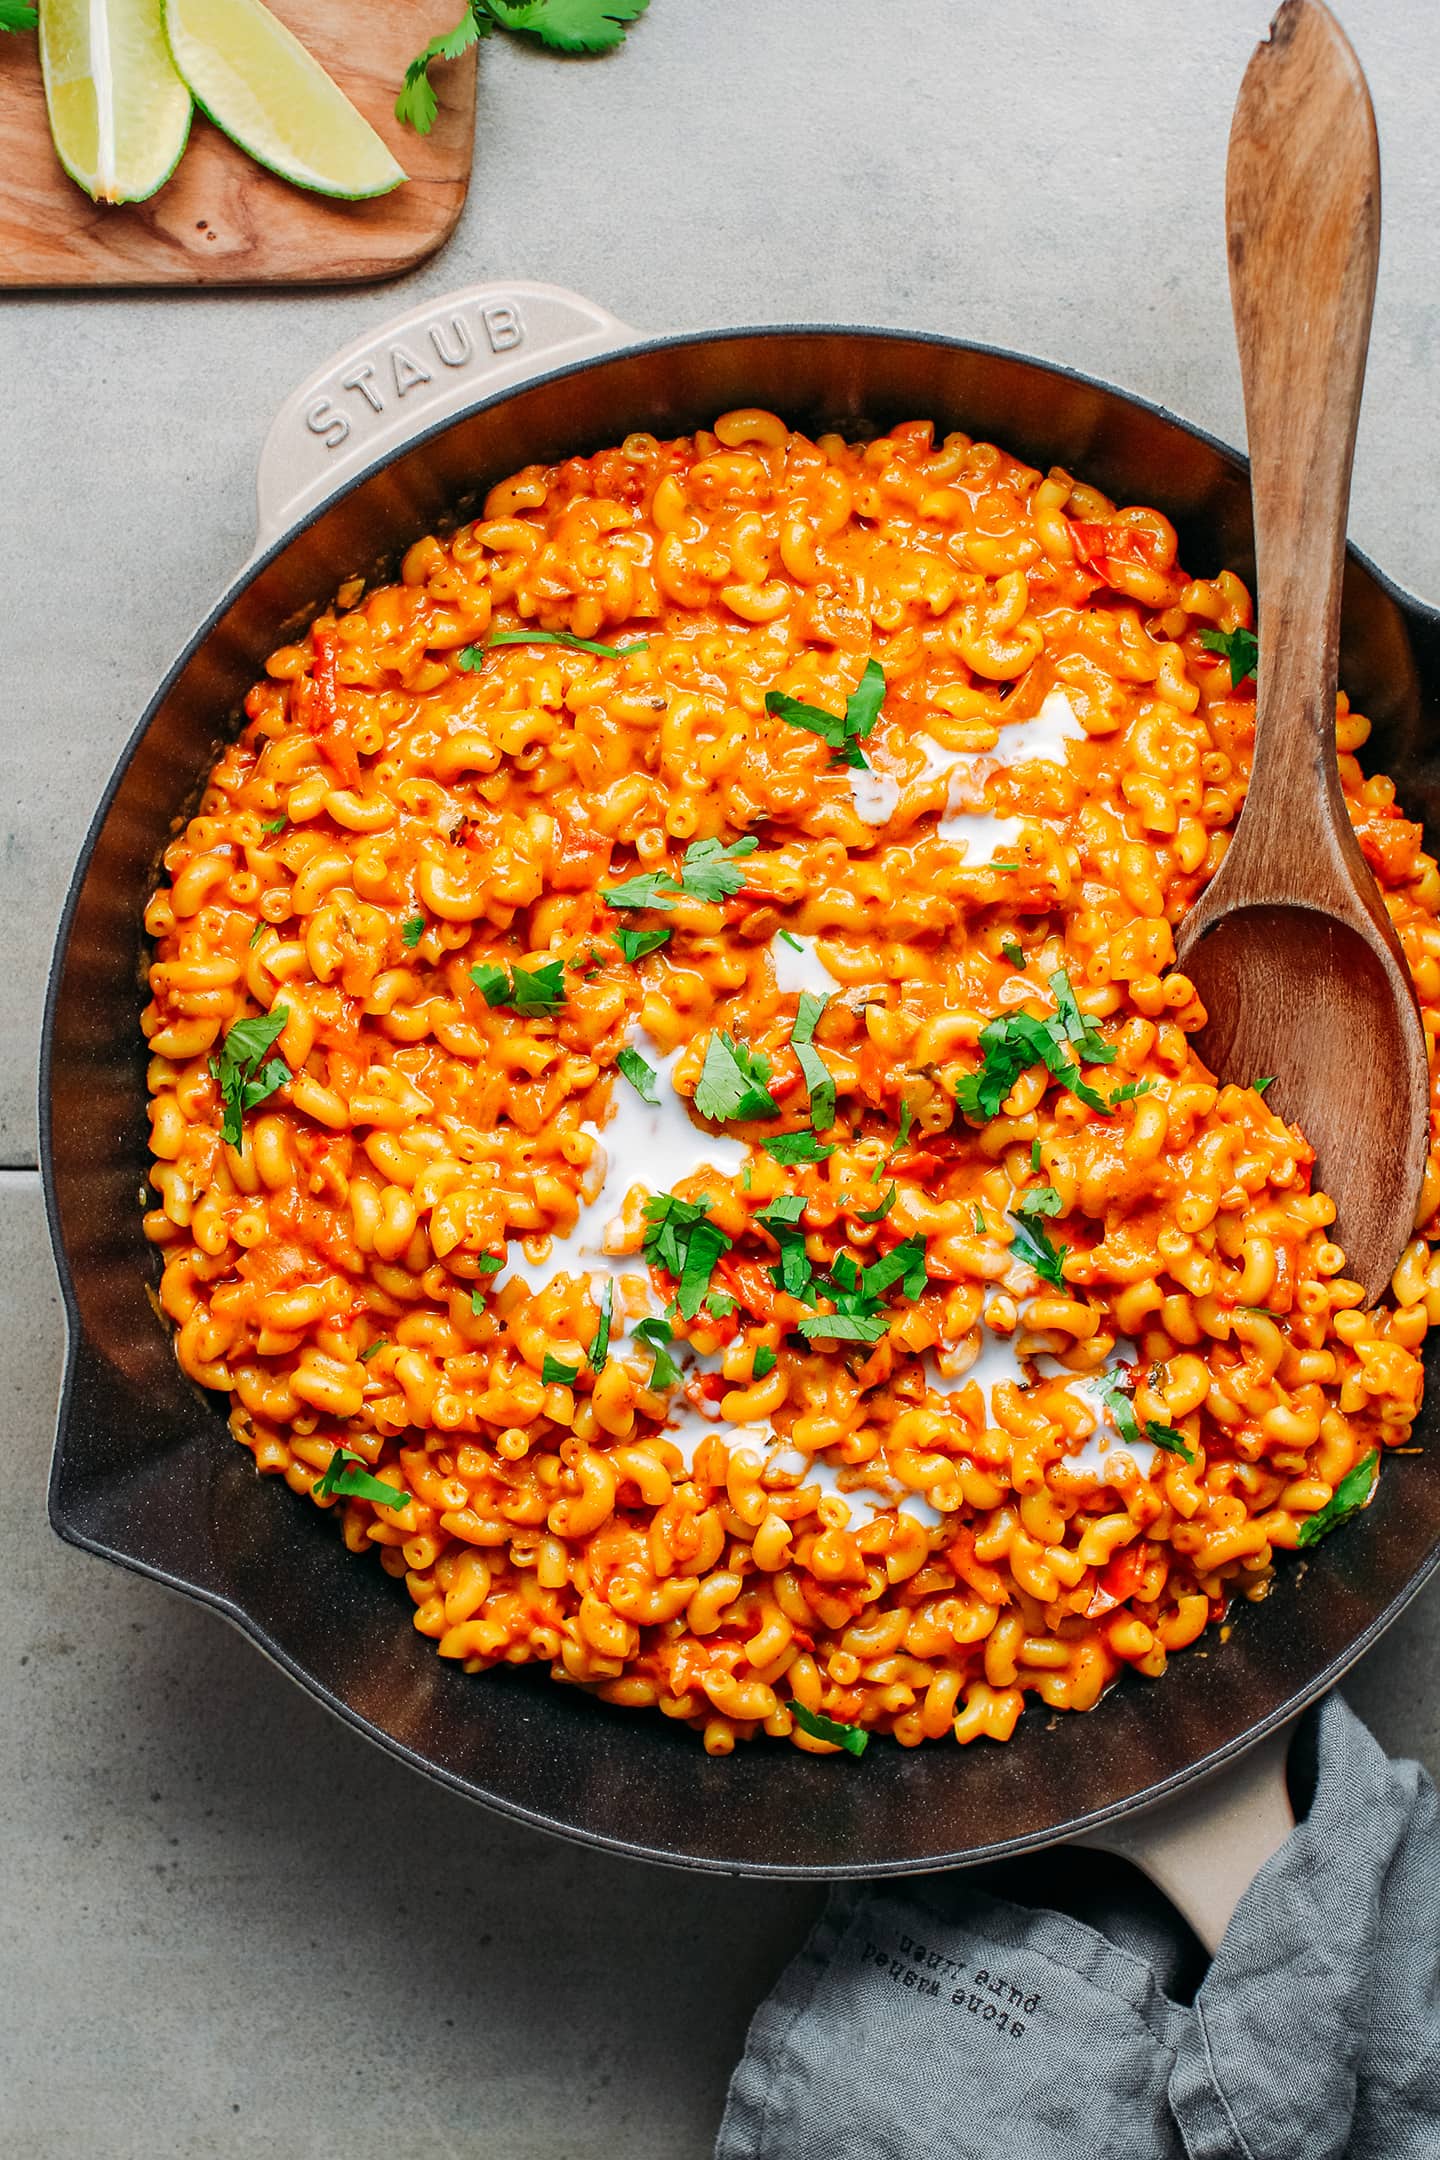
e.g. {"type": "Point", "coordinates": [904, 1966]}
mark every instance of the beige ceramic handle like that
{"type": "Point", "coordinates": [419, 368]}
{"type": "Point", "coordinates": [1206, 1848]}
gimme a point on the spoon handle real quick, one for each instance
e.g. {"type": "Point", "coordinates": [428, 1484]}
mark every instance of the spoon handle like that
{"type": "Point", "coordinates": [1302, 202]}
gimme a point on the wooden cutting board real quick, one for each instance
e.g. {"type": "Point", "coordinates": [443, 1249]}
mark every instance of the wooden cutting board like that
{"type": "Point", "coordinates": [224, 220]}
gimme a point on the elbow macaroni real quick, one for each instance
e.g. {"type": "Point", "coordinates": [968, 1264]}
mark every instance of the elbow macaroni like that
{"type": "Point", "coordinates": [885, 1533]}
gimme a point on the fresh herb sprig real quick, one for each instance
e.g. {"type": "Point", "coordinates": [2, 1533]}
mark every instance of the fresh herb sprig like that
{"type": "Point", "coordinates": [681, 1238]}
{"type": "Point", "coordinates": [17, 15]}
{"type": "Point", "coordinates": [732, 1082]}
{"type": "Point", "coordinates": [567, 26]}
{"type": "Point", "coordinates": [1014, 1042]}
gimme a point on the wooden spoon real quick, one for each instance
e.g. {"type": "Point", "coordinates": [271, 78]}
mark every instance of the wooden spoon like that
{"type": "Point", "coordinates": [1290, 945]}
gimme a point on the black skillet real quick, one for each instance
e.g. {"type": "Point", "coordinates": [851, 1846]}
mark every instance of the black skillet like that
{"type": "Point", "coordinates": [393, 437]}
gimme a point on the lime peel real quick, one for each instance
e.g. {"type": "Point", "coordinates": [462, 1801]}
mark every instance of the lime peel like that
{"type": "Point", "coordinates": [119, 113]}
{"type": "Point", "coordinates": [252, 76]}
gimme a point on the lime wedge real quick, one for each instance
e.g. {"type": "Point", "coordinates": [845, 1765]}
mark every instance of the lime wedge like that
{"type": "Point", "coordinates": [119, 113]}
{"type": "Point", "coordinates": [255, 80]}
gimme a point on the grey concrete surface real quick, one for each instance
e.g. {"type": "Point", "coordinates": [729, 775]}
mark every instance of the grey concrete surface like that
{"type": "Point", "coordinates": [192, 1962]}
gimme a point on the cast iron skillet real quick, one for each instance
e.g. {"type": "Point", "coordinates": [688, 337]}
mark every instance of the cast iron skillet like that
{"type": "Point", "coordinates": [375, 451]}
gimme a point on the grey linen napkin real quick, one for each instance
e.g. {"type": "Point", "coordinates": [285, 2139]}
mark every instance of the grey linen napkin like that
{"type": "Point", "coordinates": [945, 2022]}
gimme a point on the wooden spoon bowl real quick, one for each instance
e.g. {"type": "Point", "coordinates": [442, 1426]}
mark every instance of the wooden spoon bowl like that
{"type": "Point", "coordinates": [1290, 945]}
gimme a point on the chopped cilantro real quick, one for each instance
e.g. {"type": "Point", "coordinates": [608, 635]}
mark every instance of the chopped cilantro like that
{"type": "Point", "coordinates": [707, 873]}
{"type": "Point", "coordinates": [243, 1080]}
{"type": "Point", "coordinates": [844, 1327]}
{"type": "Point", "coordinates": [781, 1219]}
{"type": "Point", "coordinates": [342, 1480]}
{"type": "Point", "coordinates": [852, 1738]}
{"type": "Point", "coordinates": [878, 1214]}
{"type": "Point", "coordinates": [843, 732]}
{"type": "Point", "coordinates": [796, 1147]}
{"type": "Point", "coordinates": [1012, 1044]}
{"type": "Point", "coordinates": [1167, 1437]}
{"type": "Point", "coordinates": [256, 934]}
{"type": "Point", "coordinates": [1033, 1246]}
{"type": "Point", "coordinates": [1012, 950]}
{"type": "Point", "coordinates": [556, 1374]}
{"type": "Point", "coordinates": [472, 659]}
{"type": "Point", "coordinates": [657, 1338]}
{"type": "Point", "coordinates": [566, 26]}
{"type": "Point", "coordinates": [274, 824]}
{"type": "Point", "coordinates": [1035, 1155]}
{"type": "Point", "coordinates": [412, 930]}
{"type": "Point", "coordinates": [635, 944]}
{"type": "Point", "coordinates": [789, 938]}
{"type": "Point", "coordinates": [1131, 1089]}
{"type": "Point", "coordinates": [907, 1119]}
{"type": "Point", "coordinates": [600, 1345]}
{"type": "Point", "coordinates": [523, 990]}
{"type": "Point", "coordinates": [681, 1238]}
{"type": "Point", "coordinates": [763, 1362]}
{"type": "Point", "coordinates": [1240, 648]}
{"type": "Point", "coordinates": [642, 1077]}
{"type": "Point", "coordinates": [904, 1264]}
{"type": "Point", "coordinates": [819, 1079]}
{"type": "Point", "coordinates": [732, 1082]}
{"type": "Point", "coordinates": [1350, 1495]}
{"type": "Point", "coordinates": [981, 1229]}
{"type": "Point", "coordinates": [1261, 1085]}
{"type": "Point", "coordinates": [490, 1263]}
{"type": "Point", "coordinates": [371, 1347]}
{"type": "Point", "coordinates": [1043, 1200]}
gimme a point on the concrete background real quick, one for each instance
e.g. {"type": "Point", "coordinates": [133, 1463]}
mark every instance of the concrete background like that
{"type": "Point", "coordinates": [191, 1963]}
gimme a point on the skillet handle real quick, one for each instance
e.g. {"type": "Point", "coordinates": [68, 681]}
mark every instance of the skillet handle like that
{"type": "Point", "coordinates": [415, 371]}
{"type": "Point", "coordinates": [1206, 1848]}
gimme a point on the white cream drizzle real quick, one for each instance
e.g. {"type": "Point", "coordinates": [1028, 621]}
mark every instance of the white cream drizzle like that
{"type": "Point", "coordinates": [963, 822]}
{"type": "Point", "coordinates": [799, 971]}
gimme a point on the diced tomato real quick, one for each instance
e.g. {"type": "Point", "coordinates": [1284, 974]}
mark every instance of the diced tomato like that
{"type": "Point", "coordinates": [581, 858]}
{"type": "Point", "coordinates": [749, 1282]}
{"type": "Point", "coordinates": [1119, 1579]}
{"type": "Point", "coordinates": [322, 712]}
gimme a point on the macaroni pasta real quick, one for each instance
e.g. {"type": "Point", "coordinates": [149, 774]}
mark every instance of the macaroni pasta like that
{"type": "Point", "coordinates": [967, 1342]}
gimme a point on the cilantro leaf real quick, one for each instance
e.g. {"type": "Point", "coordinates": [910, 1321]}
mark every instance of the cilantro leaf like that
{"type": "Point", "coordinates": [732, 1082]}
{"type": "Point", "coordinates": [642, 1077]}
{"type": "Point", "coordinates": [1035, 1156]}
{"type": "Point", "coordinates": [844, 1327]}
{"type": "Point", "coordinates": [472, 659]}
{"type": "Point", "coordinates": [1011, 1044]}
{"type": "Point", "coordinates": [1033, 1246]}
{"type": "Point", "coordinates": [907, 1119]}
{"type": "Point", "coordinates": [819, 1079]}
{"type": "Point", "coordinates": [1168, 1438]}
{"type": "Point", "coordinates": [657, 1338]}
{"type": "Point", "coordinates": [1012, 950]}
{"type": "Point", "coordinates": [681, 1238]}
{"type": "Point", "coordinates": [243, 1080]}
{"type": "Point", "coordinates": [904, 1264]}
{"type": "Point", "coordinates": [600, 1345]}
{"type": "Point", "coordinates": [788, 937]}
{"type": "Point", "coordinates": [1240, 648]}
{"type": "Point", "coordinates": [570, 26]}
{"type": "Point", "coordinates": [1260, 1085]}
{"type": "Point", "coordinates": [853, 1738]}
{"type": "Point", "coordinates": [1350, 1495]}
{"type": "Point", "coordinates": [1120, 1408]}
{"type": "Point", "coordinates": [371, 1347]}
{"type": "Point", "coordinates": [981, 1228]}
{"type": "Point", "coordinates": [763, 1363]}
{"type": "Point", "coordinates": [274, 825]}
{"type": "Point", "coordinates": [878, 1214]}
{"type": "Point", "coordinates": [651, 888]}
{"type": "Point", "coordinates": [845, 732]}
{"type": "Point", "coordinates": [489, 1263]}
{"type": "Point", "coordinates": [1043, 1200]}
{"type": "Point", "coordinates": [781, 1219]}
{"type": "Point", "coordinates": [524, 990]}
{"type": "Point", "coordinates": [635, 944]}
{"type": "Point", "coordinates": [416, 106]}
{"type": "Point", "coordinates": [341, 1480]}
{"type": "Point", "coordinates": [556, 1374]}
{"type": "Point", "coordinates": [708, 871]}
{"type": "Point", "coordinates": [789, 1148]}
{"type": "Point", "coordinates": [411, 931]}
{"type": "Point", "coordinates": [17, 15]}
{"type": "Point", "coordinates": [1131, 1089]}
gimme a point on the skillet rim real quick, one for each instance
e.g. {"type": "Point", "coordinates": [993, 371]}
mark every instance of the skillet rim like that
{"type": "Point", "coordinates": [78, 1343]}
